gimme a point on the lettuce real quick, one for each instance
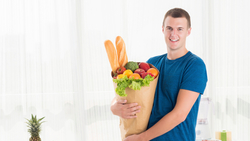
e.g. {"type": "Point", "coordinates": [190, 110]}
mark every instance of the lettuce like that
{"type": "Point", "coordinates": [134, 84]}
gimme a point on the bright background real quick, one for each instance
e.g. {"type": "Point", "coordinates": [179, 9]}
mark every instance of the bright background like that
{"type": "Point", "coordinates": [53, 62]}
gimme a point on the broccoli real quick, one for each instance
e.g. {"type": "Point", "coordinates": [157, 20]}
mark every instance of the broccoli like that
{"type": "Point", "coordinates": [132, 66]}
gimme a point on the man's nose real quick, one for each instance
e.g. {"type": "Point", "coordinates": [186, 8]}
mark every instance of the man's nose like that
{"type": "Point", "coordinates": [173, 32]}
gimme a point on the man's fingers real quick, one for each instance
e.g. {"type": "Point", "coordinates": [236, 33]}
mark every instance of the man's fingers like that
{"type": "Point", "coordinates": [132, 114]}
{"type": "Point", "coordinates": [131, 105]}
{"type": "Point", "coordinates": [135, 112]}
{"type": "Point", "coordinates": [128, 111]}
{"type": "Point", "coordinates": [136, 108]}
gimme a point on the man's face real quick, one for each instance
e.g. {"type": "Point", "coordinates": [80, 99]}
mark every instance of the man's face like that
{"type": "Point", "coordinates": [175, 31]}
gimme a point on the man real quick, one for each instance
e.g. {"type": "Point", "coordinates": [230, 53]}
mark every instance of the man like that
{"type": "Point", "coordinates": [181, 82]}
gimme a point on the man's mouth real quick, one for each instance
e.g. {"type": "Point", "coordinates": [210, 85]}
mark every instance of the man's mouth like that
{"type": "Point", "coordinates": [174, 40]}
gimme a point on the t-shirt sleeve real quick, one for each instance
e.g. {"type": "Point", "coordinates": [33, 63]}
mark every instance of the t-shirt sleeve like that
{"type": "Point", "coordinates": [195, 76]}
{"type": "Point", "coordinates": [150, 60]}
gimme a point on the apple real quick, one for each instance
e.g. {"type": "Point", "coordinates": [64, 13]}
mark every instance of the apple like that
{"type": "Point", "coordinates": [144, 66]}
{"type": "Point", "coordinates": [139, 71]}
{"type": "Point", "coordinates": [144, 74]}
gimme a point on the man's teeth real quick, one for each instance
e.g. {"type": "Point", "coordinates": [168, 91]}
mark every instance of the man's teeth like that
{"type": "Point", "coordinates": [174, 40]}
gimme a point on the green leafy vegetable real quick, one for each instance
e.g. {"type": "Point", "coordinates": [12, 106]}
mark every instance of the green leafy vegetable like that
{"type": "Point", "coordinates": [134, 84]}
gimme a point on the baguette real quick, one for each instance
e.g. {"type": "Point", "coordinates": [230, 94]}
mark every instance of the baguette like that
{"type": "Point", "coordinates": [121, 51]}
{"type": "Point", "coordinates": [112, 55]}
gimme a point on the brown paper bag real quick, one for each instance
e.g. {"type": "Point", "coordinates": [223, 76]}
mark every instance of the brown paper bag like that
{"type": "Point", "coordinates": [144, 98]}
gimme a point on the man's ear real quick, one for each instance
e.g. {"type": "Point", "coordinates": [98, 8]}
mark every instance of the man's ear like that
{"type": "Point", "coordinates": [189, 31]}
{"type": "Point", "coordinates": [162, 29]}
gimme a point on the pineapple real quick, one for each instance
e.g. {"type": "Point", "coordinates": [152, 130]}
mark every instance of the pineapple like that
{"type": "Point", "coordinates": [34, 128]}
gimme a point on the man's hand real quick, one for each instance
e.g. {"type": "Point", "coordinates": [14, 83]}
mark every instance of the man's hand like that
{"type": "Point", "coordinates": [124, 110]}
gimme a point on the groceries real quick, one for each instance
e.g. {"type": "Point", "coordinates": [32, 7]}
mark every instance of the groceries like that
{"type": "Point", "coordinates": [121, 51]}
{"type": "Point", "coordinates": [144, 66]}
{"type": "Point", "coordinates": [120, 70]}
{"type": "Point", "coordinates": [112, 55]}
{"type": "Point", "coordinates": [133, 75]}
{"type": "Point", "coordinates": [132, 66]}
{"type": "Point", "coordinates": [133, 79]}
{"type": "Point", "coordinates": [136, 83]}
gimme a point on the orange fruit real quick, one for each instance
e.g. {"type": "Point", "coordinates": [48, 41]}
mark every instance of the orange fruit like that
{"type": "Point", "coordinates": [127, 72]}
{"type": "Point", "coordinates": [153, 71]}
{"type": "Point", "coordinates": [135, 76]}
{"type": "Point", "coordinates": [120, 76]}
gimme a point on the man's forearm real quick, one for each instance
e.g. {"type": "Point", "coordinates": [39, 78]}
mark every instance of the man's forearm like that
{"type": "Point", "coordinates": [164, 125]}
{"type": "Point", "coordinates": [185, 102]}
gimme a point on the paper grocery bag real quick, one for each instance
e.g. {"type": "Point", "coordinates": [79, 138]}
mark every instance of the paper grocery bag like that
{"type": "Point", "coordinates": [144, 98]}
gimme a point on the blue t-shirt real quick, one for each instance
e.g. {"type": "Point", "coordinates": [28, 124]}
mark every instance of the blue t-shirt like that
{"type": "Point", "coordinates": [187, 72]}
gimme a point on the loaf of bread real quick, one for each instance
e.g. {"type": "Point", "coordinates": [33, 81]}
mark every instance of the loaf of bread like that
{"type": "Point", "coordinates": [112, 55]}
{"type": "Point", "coordinates": [121, 51]}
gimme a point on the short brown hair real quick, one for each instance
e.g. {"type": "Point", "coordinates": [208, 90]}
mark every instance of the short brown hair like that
{"type": "Point", "coordinates": [177, 13]}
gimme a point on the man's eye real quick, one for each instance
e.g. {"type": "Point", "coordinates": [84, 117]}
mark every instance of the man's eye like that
{"type": "Point", "coordinates": [180, 29]}
{"type": "Point", "coordinates": [169, 28]}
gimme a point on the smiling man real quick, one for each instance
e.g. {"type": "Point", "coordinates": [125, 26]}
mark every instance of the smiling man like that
{"type": "Point", "coordinates": [181, 82]}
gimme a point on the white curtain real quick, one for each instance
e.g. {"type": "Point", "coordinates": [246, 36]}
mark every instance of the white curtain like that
{"type": "Point", "coordinates": [53, 62]}
{"type": "Point", "coordinates": [41, 69]}
{"type": "Point", "coordinates": [229, 67]}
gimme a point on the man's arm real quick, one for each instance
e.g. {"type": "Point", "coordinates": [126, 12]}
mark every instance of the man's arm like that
{"type": "Point", "coordinates": [185, 102]}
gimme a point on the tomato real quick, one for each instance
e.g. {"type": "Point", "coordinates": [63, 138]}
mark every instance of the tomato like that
{"type": "Point", "coordinates": [153, 71]}
{"type": "Point", "coordinates": [128, 72]}
{"type": "Point", "coordinates": [135, 76]}
{"type": "Point", "coordinates": [120, 70]}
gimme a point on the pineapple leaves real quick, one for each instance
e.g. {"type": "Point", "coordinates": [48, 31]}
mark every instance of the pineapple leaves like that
{"type": "Point", "coordinates": [41, 119]}
{"type": "Point", "coordinates": [34, 125]}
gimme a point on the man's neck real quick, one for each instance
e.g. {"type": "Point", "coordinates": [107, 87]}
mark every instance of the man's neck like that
{"type": "Point", "coordinates": [175, 54]}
